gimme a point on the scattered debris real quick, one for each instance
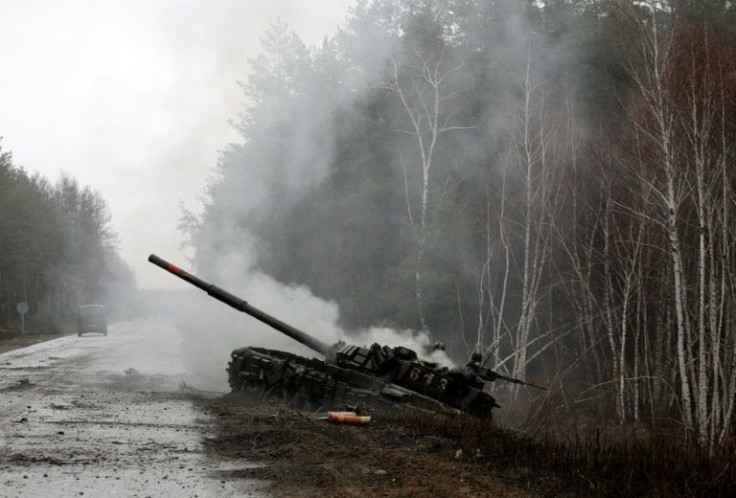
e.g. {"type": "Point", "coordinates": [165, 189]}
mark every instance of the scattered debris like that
{"type": "Point", "coordinates": [388, 458]}
{"type": "Point", "coordinates": [21, 384]}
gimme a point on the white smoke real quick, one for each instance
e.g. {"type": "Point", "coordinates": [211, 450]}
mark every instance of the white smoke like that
{"type": "Point", "coordinates": [231, 253]}
{"type": "Point", "coordinates": [417, 341]}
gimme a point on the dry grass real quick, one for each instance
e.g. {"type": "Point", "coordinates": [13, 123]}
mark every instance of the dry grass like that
{"type": "Point", "coordinates": [660, 465]}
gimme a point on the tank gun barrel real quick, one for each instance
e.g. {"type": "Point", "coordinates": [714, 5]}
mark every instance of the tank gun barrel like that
{"type": "Point", "coordinates": [242, 305]}
{"type": "Point", "coordinates": [488, 374]}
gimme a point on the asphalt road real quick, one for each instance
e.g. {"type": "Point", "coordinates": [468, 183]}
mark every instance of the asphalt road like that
{"type": "Point", "coordinates": [107, 416]}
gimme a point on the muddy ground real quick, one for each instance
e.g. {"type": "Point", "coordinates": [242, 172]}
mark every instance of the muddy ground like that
{"type": "Point", "coordinates": [303, 455]}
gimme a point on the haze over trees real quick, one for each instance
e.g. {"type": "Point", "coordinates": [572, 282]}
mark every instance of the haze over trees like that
{"type": "Point", "coordinates": [551, 183]}
{"type": "Point", "coordinates": [57, 250]}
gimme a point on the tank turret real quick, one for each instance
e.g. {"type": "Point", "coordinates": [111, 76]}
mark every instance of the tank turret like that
{"type": "Point", "coordinates": [381, 377]}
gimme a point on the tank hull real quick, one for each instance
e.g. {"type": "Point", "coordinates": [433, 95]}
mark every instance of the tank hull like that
{"type": "Point", "coordinates": [314, 384]}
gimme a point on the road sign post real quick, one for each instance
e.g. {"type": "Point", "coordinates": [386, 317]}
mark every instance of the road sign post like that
{"type": "Point", "coordinates": [22, 309]}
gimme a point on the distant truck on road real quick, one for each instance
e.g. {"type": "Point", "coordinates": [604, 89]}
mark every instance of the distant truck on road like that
{"type": "Point", "coordinates": [91, 318]}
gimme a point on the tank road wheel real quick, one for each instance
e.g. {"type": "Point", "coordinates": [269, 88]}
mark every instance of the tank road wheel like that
{"type": "Point", "coordinates": [247, 388]}
{"type": "Point", "coordinates": [277, 392]}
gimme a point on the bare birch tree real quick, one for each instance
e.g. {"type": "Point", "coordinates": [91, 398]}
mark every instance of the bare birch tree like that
{"type": "Point", "coordinates": [424, 89]}
{"type": "Point", "coordinates": [531, 135]}
{"type": "Point", "coordinates": [689, 127]}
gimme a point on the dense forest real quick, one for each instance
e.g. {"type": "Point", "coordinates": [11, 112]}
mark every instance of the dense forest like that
{"type": "Point", "coordinates": [550, 183]}
{"type": "Point", "coordinates": [57, 251]}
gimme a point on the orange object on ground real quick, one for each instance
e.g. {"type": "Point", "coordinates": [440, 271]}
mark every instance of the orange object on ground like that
{"type": "Point", "coordinates": [349, 418]}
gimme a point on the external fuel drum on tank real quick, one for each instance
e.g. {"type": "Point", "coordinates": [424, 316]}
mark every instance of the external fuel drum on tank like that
{"type": "Point", "coordinates": [381, 377]}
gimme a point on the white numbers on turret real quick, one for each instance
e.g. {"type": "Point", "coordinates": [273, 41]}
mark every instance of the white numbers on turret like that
{"type": "Point", "coordinates": [419, 376]}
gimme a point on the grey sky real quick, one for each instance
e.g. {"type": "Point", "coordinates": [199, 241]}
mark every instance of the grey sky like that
{"type": "Point", "coordinates": [132, 97]}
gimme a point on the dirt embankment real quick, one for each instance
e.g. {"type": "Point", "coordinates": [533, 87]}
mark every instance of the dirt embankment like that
{"type": "Point", "coordinates": [306, 456]}
{"type": "Point", "coordinates": [12, 341]}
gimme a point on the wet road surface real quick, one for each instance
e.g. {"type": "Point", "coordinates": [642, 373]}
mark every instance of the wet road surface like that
{"type": "Point", "coordinates": [106, 416]}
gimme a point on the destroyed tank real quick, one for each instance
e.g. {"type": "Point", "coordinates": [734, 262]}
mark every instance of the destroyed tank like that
{"type": "Point", "coordinates": [382, 378]}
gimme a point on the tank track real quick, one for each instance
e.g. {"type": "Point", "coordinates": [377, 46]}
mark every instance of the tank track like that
{"type": "Point", "coordinates": [313, 384]}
